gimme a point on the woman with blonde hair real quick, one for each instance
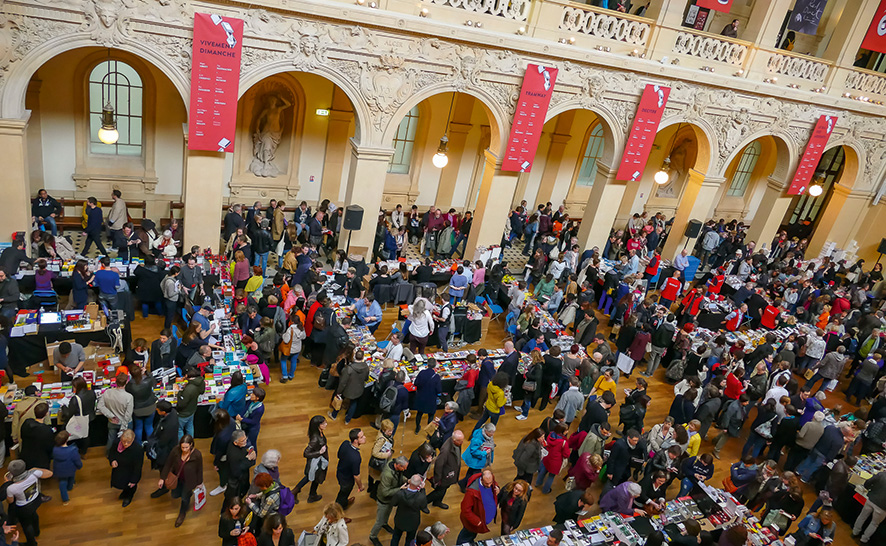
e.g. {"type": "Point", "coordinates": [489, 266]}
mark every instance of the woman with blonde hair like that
{"type": "Point", "coordinates": [382, 451]}
{"type": "Point", "coordinates": [512, 500]}
{"type": "Point", "coordinates": [332, 526]}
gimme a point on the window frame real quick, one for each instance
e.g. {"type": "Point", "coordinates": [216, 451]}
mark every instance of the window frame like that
{"type": "Point", "coordinates": [595, 140]}
{"type": "Point", "coordinates": [109, 69]}
{"type": "Point", "coordinates": [404, 145]}
{"type": "Point", "coordinates": [744, 170]}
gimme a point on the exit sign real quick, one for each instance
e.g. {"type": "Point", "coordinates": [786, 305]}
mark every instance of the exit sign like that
{"type": "Point", "coordinates": [322, 112]}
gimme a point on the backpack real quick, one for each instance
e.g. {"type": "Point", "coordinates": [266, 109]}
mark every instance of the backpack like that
{"type": "Point", "coordinates": [388, 399]}
{"type": "Point", "coordinates": [287, 501]}
{"type": "Point", "coordinates": [675, 370]}
{"type": "Point", "coordinates": [280, 321]}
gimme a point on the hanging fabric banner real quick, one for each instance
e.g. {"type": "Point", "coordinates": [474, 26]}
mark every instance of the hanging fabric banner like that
{"type": "Point", "coordinates": [215, 80]}
{"type": "Point", "coordinates": [639, 144]}
{"type": "Point", "coordinates": [718, 5]}
{"type": "Point", "coordinates": [875, 39]}
{"type": "Point", "coordinates": [809, 162]}
{"type": "Point", "coordinates": [806, 15]}
{"type": "Point", "coordinates": [529, 118]}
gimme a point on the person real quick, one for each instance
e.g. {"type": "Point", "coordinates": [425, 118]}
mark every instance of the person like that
{"type": "Point", "coordinates": [24, 498]}
{"type": "Point", "coordinates": [730, 30]}
{"type": "Point", "coordinates": [116, 404]}
{"type": "Point", "coordinates": [126, 458]}
{"type": "Point", "coordinates": [445, 425]}
{"type": "Point", "coordinates": [382, 453]}
{"type": "Point", "coordinates": [69, 359]}
{"type": "Point", "coordinates": [571, 401]}
{"type": "Point", "coordinates": [428, 388]}
{"type": "Point", "coordinates": [265, 501]}
{"type": "Point", "coordinates": [65, 463]}
{"type": "Point", "coordinates": [231, 523]}
{"type": "Point", "coordinates": [37, 439]}
{"type": "Point", "coordinates": [697, 469]}
{"type": "Point", "coordinates": [275, 532]}
{"type": "Point", "coordinates": [94, 226]}
{"type": "Point", "coordinates": [234, 401]}
{"type": "Point", "coordinates": [348, 471]}
{"type": "Point", "coordinates": [550, 466]}
{"type": "Point", "coordinates": [815, 528]}
{"type": "Point", "coordinates": [478, 507]}
{"type": "Point", "coordinates": [290, 347]}
{"type": "Point", "coordinates": [531, 382]}
{"type": "Point", "coordinates": [317, 459]}
{"type": "Point", "coordinates": [572, 505]}
{"type": "Point", "coordinates": [183, 472]}
{"type": "Point", "coordinates": [512, 500]}
{"type": "Point", "coordinates": [107, 279]}
{"type": "Point", "coordinates": [620, 499]}
{"type": "Point", "coordinates": [421, 325]}
{"type": "Point", "coordinates": [410, 502]}
{"type": "Point", "coordinates": [874, 508]}
{"type": "Point", "coordinates": [250, 420]}
{"type": "Point", "coordinates": [186, 402]}
{"type": "Point", "coordinates": [165, 435]}
{"type": "Point", "coordinates": [351, 385]}
{"type": "Point", "coordinates": [495, 400]}
{"type": "Point", "coordinates": [447, 467]}
{"type": "Point", "coordinates": [237, 458]}
{"type": "Point", "coordinates": [332, 527]}
{"type": "Point", "coordinates": [618, 466]}
{"type": "Point", "coordinates": [480, 452]}
{"type": "Point", "coordinates": [144, 402]}
{"type": "Point", "coordinates": [393, 477]}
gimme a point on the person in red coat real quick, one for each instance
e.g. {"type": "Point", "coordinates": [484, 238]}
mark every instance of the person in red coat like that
{"type": "Point", "coordinates": [558, 452]}
{"type": "Point", "coordinates": [769, 319]}
{"type": "Point", "coordinates": [691, 305]}
{"type": "Point", "coordinates": [734, 384]}
{"type": "Point", "coordinates": [479, 506]}
{"type": "Point", "coordinates": [652, 266]}
{"type": "Point", "coordinates": [671, 290]}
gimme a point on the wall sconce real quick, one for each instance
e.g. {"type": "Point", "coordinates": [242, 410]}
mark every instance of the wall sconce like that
{"type": "Point", "coordinates": [707, 68]}
{"type": "Point", "coordinates": [521, 31]}
{"type": "Point", "coordinates": [739, 73]}
{"type": "Point", "coordinates": [675, 61]}
{"type": "Point", "coordinates": [770, 80]}
{"type": "Point", "coordinates": [604, 49]}
{"type": "Point", "coordinates": [793, 86]}
{"type": "Point", "coordinates": [423, 13]}
{"type": "Point", "coordinates": [470, 23]}
{"type": "Point", "coordinates": [636, 53]}
{"type": "Point", "coordinates": [821, 89]}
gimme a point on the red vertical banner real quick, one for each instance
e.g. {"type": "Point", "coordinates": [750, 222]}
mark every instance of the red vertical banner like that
{"type": "Point", "coordinates": [529, 118]}
{"type": "Point", "coordinates": [875, 39]}
{"type": "Point", "coordinates": [642, 135]}
{"type": "Point", "coordinates": [215, 80]}
{"type": "Point", "coordinates": [809, 162]}
{"type": "Point", "coordinates": [718, 5]}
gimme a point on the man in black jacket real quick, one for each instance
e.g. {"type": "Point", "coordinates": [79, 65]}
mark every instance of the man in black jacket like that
{"type": "Point", "coordinates": [597, 411]}
{"type": "Point", "coordinates": [37, 439]}
{"type": "Point", "coordinates": [241, 457]}
{"type": "Point", "coordinates": [551, 372]}
{"type": "Point", "coordinates": [446, 469]}
{"type": "Point", "coordinates": [234, 221]}
{"type": "Point", "coordinates": [44, 209]}
{"type": "Point", "coordinates": [618, 465]}
{"type": "Point", "coordinates": [571, 505]}
{"type": "Point", "coordinates": [165, 435]}
{"type": "Point", "coordinates": [12, 257]}
{"type": "Point", "coordinates": [410, 501]}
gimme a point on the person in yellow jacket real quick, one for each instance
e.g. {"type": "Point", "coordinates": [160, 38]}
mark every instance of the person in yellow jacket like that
{"type": "Point", "coordinates": [279, 222]}
{"type": "Point", "coordinates": [495, 401]}
{"type": "Point", "coordinates": [694, 437]}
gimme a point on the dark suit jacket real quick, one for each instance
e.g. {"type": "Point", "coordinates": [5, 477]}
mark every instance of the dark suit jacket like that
{"type": "Point", "coordinates": [409, 506]}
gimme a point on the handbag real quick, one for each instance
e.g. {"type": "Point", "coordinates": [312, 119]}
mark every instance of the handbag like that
{"type": "Point", "coordinates": [171, 481]}
{"type": "Point", "coordinates": [765, 429]}
{"type": "Point", "coordinates": [809, 373]}
{"type": "Point", "coordinates": [530, 386]}
{"type": "Point", "coordinates": [377, 464]}
{"type": "Point", "coordinates": [430, 428]}
{"type": "Point", "coordinates": [336, 402]}
{"type": "Point", "coordinates": [570, 483]}
{"type": "Point", "coordinates": [78, 425]}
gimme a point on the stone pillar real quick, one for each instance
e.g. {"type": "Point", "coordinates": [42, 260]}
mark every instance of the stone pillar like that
{"type": "Point", "coordinates": [458, 134]}
{"type": "Point", "coordinates": [366, 184]}
{"type": "Point", "coordinates": [493, 205]}
{"type": "Point", "coordinates": [15, 181]}
{"type": "Point", "coordinates": [602, 208]}
{"type": "Point", "coordinates": [850, 31]}
{"type": "Point", "coordinates": [339, 129]}
{"type": "Point", "coordinates": [696, 204]}
{"type": "Point", "coordinates": [765, 22]}
{"type": "Point", "coordinates": [553, 162]}
{"type": "Point", "coordinates": [770, 213]}
{"type": "Point", "coordinates": [202, 197]}
{"type": "Point", "coordinates": [842, 217]}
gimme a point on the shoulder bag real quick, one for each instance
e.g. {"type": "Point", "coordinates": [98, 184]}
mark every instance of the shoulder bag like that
{"type": "Point", "coordinates": [78, 424]}
{"type": "Point", "coordinates": [171, 481]}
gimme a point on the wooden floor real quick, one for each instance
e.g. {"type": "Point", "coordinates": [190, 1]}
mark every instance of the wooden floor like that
{"type": "Point", "coordinates": [94, 515]}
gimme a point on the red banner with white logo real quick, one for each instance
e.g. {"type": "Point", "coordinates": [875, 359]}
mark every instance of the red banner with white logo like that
{"type": "Point", "coordinates": [215, 79]}
{"type": "Point", "coordinates": [718, 5]}
{"type": "Point", "coordinates": [809, 162]}
{"type": "Point", "coordinates": [532, 107]}
{"type": "Point", "coordinates": [639, 144]}
{"type": "Point", "coordinates": [875, 39]}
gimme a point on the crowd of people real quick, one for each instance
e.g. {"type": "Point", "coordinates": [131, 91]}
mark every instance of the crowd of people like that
{"type": "Point", "coordinates": [609, 455]}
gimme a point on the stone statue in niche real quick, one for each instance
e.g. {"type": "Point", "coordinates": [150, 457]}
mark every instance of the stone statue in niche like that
{"type": "Point", "coordinates": [677, 170]}
{"type": "Point", "coordinates": [267, 135]}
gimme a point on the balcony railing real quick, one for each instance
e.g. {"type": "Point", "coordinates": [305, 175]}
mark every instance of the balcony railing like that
{"type": "Point", "coordinates": [606, 24]}
{"type": "Point", "coordinates": [516, 10]}
{"type": "Point", "coordinates": [797, 66]}
{"type": "Point", "coordinates": [711, 47]}
{"type": "Point", "coordinates": [866, 81]}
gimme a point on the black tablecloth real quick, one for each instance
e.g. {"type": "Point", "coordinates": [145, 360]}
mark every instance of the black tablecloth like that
{"type": "Point", "coordinates": [711, 321]}
{"type": "Point", "coordinates": [28, 350]}
{"type": "Point", "coordinates": [849, 508]}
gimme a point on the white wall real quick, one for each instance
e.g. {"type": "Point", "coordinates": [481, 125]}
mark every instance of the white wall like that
{"type": "Point", "coordinates": [56, 106]}
{"type": "Point", "coordinates": [318, 95]}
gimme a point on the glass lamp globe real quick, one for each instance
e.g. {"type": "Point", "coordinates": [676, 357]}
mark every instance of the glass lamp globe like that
{"type": "Point", "coordinates": [815, 190]}
{"type": "Point", "coordinates": [440, 160]}
{"type": "Point", "coordinates": [662, 177]}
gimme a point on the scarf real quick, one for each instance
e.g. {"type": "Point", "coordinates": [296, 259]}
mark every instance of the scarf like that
{"type": "Point", "coordinates": [252, 407]}
{"type": "Point", "coordinates": [166, 348]}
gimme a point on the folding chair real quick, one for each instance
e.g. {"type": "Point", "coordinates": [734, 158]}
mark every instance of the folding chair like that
{"type": "Point", "coordinates": [176, 334]}
{"type": "Point", "coordinates": [511, 326]}
{"type": "Point", "coordinates": [496, 309]}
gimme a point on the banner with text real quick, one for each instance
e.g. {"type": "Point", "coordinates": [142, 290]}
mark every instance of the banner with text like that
{"type": "Point", "coordinates": [652, 105]}
{"type": "Point", "coordinates": [809, 162]}
{"type": "Point", "coordinates": [719, 5]}
{"type": "Point", "coordinates": [532, 107]}
{"type": "Point", "coordinates": [875, 39]}
{"type": "Point", "coordinates": [215, 79]}
{"type": "Point", "coordinates": [806, 15]}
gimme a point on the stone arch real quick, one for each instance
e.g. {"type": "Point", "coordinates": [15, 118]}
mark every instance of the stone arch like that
{"type": "Point", "coordinates": [706, 138]}
{"type": "Point", "coordinates": [361, 109]}
{"type": "Point", "coordinates": [498, 118]}
{"type": "Point", "coordinates": [785, 150]}
{"type": "Point", "coordinates": [613, 133]}
{"type": "Point", "coordinates": [12, 94]}
{"type": "Point", "coordinates": [853, 164]}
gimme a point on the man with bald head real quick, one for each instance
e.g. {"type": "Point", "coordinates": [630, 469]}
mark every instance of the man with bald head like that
{"type": "Point", "coordinates": [447, 467]}
{"type": "Point", "coordinates": [509, 364]}
{"type": "Point", "coordinates": [410, 501]}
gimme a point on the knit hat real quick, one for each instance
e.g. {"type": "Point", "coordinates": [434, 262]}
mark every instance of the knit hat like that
{"type": "Point", "coordinates": [688, 327]}
{"type": "Point", "coordinates": [818, 416]}
{"type": "Point", "coordinates": [17, 469]}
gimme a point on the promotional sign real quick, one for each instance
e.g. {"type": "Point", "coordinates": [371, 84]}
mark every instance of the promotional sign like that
{"type": "Point", "coordinates": [817, 142]}
{"type": "Point", "coordinates": [875, 39]}
{"type": "Point", "coordinates": [215, 78]}
{"type": "Point", "coordinates": [639, 144]}
{"type": "Point", "coordinates": [719, 5]}
{"type": "Point", "coordinates": [701, 19]}
{"type": "Point", "coordinates": [806, 15]}
{"type": "Point", "coordinates": [532, 107]}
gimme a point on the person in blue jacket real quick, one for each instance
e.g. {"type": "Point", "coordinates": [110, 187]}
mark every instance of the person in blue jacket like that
{"type": "Point", "coordinates": [65, 463]}
{"type": "Point", "coordinates": [250, 421]}
{"type": "Point", "coordinates": [428, 388]}
{"type": "Point", "coordinates": [743, 474]}
{"type": "Point", "coordinates": [94, 226]}
{"type": "Point", "coordinates": [479, 454]}
{"type": "Point", "coordinates": [234, 401]}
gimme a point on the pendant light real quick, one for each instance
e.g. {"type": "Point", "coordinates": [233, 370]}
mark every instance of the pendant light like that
{"type": "Point", "coordinates": [815, 190]}
{"type": "Point", "coordinates": [108, 132]}
{"type": "Point", "coordinates": [441, 159]}
{"type": "Point", "coordinates": [664, 173]}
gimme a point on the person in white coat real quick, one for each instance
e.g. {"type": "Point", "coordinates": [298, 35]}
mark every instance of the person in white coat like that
{"type": "Point", "coordinates": [333, 526]}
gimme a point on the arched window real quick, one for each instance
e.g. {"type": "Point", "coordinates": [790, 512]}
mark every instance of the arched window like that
{"type": "Point", "coordinates": [828, 173]}
{"type": "Point", "coordinates": [117, 83]}
{"type": "Point", "coordinates": [745, 169]}
{"type": "Point", "coordinates": [594, 149]}
{"type": "Point", "coordinates": [404, 141]}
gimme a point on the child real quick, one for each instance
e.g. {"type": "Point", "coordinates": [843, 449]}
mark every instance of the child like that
{"type": "Point", "coordinates": [65, 463]}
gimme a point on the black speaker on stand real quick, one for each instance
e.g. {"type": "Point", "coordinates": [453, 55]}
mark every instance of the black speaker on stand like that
{"type": "Point", "coordinates": [693, 229]}
{"type": "Point", "coordinates": [353, 220]}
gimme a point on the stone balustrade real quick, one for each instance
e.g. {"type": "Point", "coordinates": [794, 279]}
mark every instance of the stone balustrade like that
{"type": "Point", "coordinates": [516, 10]}
{"type": "Point", "coordinates": [797, 66]}
{"type": "Point", "coordinates": [711, 47]}
{"type": "Point", "coordinates": [866, 81]}
{"type": "Point", "coordinates": [605, 24]}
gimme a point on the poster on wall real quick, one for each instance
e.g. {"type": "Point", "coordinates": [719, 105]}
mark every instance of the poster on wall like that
{"type": "Point", "coordinates": [529, 118]}
{"type": "Point", "coordinates": [809, 162]}
{"type": "Point", "coordinates": [718, 5]}
{"type": "Point", "coordinates": [875, 39]}
{"type": "Point", "coordinates": [215, 80]}
{"type": "Point", "coordinates": [806, 15]}
{"type": "Point", "coordinates": [643, 131]}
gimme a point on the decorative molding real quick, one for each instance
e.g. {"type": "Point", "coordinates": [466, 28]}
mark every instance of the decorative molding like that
{"type": "Point", "coordinates": [797, 67]}
{"type": "Point", "coordinates": [600, 25]}
{"type": "Point", "coordinates": [516, 10]}
{"type": "Point", "coordinates": [710, 48]}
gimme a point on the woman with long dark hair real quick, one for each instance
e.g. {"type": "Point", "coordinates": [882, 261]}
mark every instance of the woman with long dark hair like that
{"type": "Point", "coordinates": [222, 429]}
{"type": "Point", "coordinates": [80, 280]}
{"type": "Point", "coordinates": [527, 456]}
{"type": "Point", "coordinates": [186, 464]}
{"type": "Point", "coordinates": [317, 459]}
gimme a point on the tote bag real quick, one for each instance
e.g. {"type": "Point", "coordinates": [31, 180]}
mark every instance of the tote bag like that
{"type": "Point", "coordinates": [78, 425]}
